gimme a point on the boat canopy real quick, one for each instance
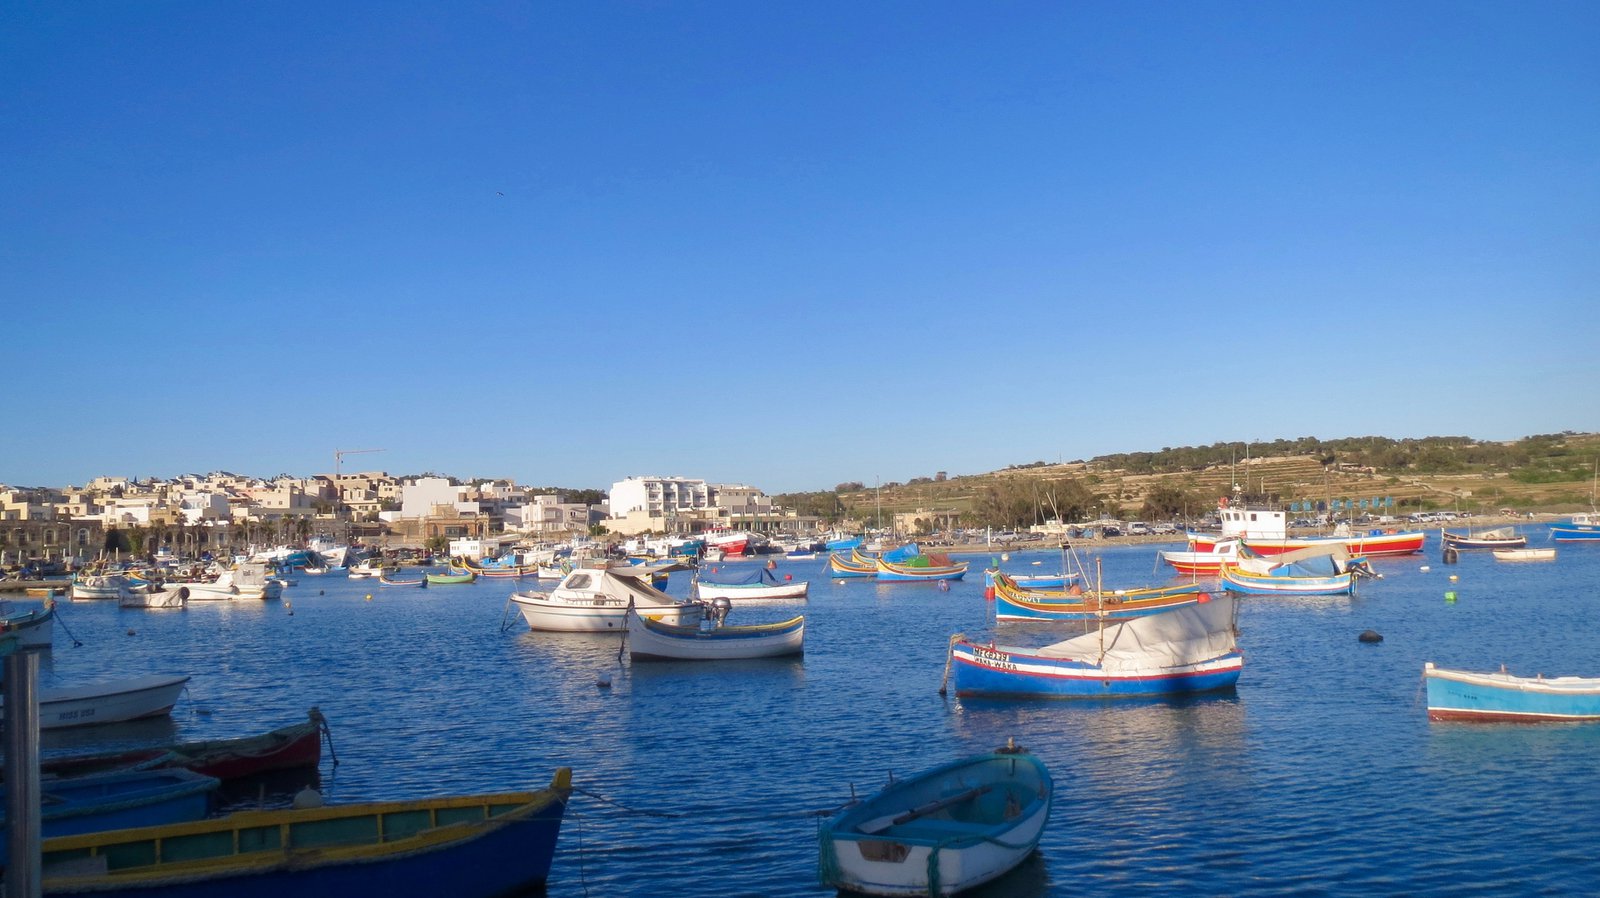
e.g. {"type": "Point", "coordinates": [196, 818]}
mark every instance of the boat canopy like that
{"type": "Point", "coordinates": [1183, 636]}
{"type": "Point", "coordinates": [761, 576]}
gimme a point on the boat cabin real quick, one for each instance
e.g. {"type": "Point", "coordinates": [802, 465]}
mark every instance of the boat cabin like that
{"type": "Point", "coordinates": [1252, 523]}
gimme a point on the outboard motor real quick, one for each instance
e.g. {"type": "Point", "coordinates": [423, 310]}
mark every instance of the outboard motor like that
{"type": "Point", "coordinates": [720, 606]}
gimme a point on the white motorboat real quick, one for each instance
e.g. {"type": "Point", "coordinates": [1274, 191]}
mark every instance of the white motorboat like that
{"type": "Point", "coordinates": [596, 600]}
{"type": "Point", "coordinates": [254, 580]}
{"type": "Point", "coordinates": [108, 702]}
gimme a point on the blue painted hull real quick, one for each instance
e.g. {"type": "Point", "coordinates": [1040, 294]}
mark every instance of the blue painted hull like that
{"type": "Point", "coordinates": [1005, 609]}
{"type": "Point", "coordinates": [1574, 533]}
{"type": "Point", "coordinates": [119, 800]}
{"type": "Point", "coordinates": [843, 545]}
{"type": "Point", "coordinates": [993, 672]}
{"type": "Point", "coordinates": [1463, 695]}
{"type": "Point", "coordinates": [1033, 581]}
{"type": "Point", "coordinates": [503, 860]}
{"type": "Point", "coordinates": [898, 577]}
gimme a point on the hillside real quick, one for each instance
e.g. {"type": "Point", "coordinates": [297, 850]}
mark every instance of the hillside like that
{"type": "Point", "coordinates": [1548, 473]}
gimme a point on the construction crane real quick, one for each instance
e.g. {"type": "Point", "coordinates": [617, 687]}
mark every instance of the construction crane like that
{"type": "Point", "coordinates": [338, 458]}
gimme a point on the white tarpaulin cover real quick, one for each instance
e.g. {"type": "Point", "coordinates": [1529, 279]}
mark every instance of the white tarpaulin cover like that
{"type": "Point", "coordinates": [1187, 635]}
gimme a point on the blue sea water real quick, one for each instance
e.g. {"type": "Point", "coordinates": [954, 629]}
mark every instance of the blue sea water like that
{"type": "Point", "coordinates": [1319, 775]}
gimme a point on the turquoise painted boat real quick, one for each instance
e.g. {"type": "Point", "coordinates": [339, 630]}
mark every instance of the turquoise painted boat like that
{"type": "Point", "coordinates": [1013, 604]}
{"type": "Point", "coordinates": [465, 847]}
{"type": "Point", "coordinates": [841, 567]}
{"type": "Point", "coordinates": [1463, 695]}
{"type": "Point", "coordinates": [454, 575]}
{"type": "Point", "coordinates": [921, 567]}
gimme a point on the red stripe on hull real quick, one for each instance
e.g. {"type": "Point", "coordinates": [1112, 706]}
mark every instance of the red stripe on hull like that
{"type": "Point", "coordinates": [1501, 717]}
{"type": "Point", "coordinates": [1370, 546]}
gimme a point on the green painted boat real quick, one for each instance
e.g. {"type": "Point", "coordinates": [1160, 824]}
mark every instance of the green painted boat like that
{"type": "Point", "coordinates": [454, 575]}
{"type": "Point", "coordinates": [467, 846]}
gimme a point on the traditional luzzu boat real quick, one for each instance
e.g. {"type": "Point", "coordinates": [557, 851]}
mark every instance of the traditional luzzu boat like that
{"type": "Point", "coordinates": [1316, 571]}
{"type": "Point", "coordinates": [385, 580]}
{"type": "Point", "coordinates": [750, 586]}
{"type": "Point", "coordinates": [841, 567]}
{"type": "Point", "coordinates": [463, 846]}
{"type": "Point", "coordinates": [942, 831]}
{"type": "Point", "coordinates": [1186, 650]}
{"type": "Point", "coordinates": [921, 567]}
{"type": "Point", "coordinates": [504, 569]}
{"type": "Point", "coordinates": [451, 575]}
{"type": "Point", "coordinates": [1265, 531]}
{"type": "Point", "coordinates": [1497, 538]}
{"type": "Point", "coordinates": [1462, 695]}
{"type": "Point", "coordinates": [1012, 604]}
{"type": "Point", "coordinates": [1030, 581]}
{"type": "Point", "coordinates": [651, 640]}
{"type": "Point", "coordinates": [596, 600]}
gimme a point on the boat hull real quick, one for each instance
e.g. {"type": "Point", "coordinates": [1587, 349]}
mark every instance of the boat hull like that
{"type": "Point", "coordinates": [467, 847]}
{"type": "Point", "coordinates": [654, 641]}
{"type": "Point", "coordinates": [1574, 533]}
{"type": "Point", "coordinates": [597, 616]}
{"type": "Point", "coordinates": [987, 815]}
{"type": "Point", "coordinates": [997, 671]}
{"type": "Point", "coordinates": [1017, 605]}
{"type": "Point", "coordinates": [900, 573]}
{"type": "Point", "coordinates": [1246, 583]}
{"type": "Point", "coordinates": [111, 702]}
{"type": "Point", "coordinates": [1524, 554]}
{"type": "Point", "coordinates": [756, 593]}
{"type": "Point", "coordinates": [1463, 695]}
{"type": "Point", "coordinates": [1371, 545]}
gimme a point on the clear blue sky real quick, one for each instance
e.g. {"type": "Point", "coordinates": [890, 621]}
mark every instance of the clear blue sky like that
{"type": "Point", "coordinates": [790, 244]}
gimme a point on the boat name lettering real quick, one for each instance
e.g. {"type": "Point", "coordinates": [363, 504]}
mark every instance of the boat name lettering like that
{"type": "Point", "coordinates": [75, 715]}
{"type": "Point", "coordinates": [998, 659]}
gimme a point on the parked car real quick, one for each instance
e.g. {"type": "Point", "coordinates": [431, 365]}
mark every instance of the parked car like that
{"type": "Point", "coordinates": [1138, 528]}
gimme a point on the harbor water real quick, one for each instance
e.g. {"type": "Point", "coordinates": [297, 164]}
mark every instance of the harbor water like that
{"type": "Point", "coordinates": [1320, 774]}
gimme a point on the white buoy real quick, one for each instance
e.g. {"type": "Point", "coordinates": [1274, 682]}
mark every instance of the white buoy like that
{"type": "Point", "coordinates": [1426, 569]}
{"type": "Point", "coordinates": [307, 798]}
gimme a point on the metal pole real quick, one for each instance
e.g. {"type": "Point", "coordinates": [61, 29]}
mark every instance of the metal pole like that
{"type": "Point", "coordinates": [21, 719]}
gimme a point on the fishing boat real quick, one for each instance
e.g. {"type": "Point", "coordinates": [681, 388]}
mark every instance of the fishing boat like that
{"type": "Point", "coordinates": [509, 570]}
{"type": "Point", "coordinates": [118, 800]}
{"type": "Point", "coordinates": [1265, 531]}
{"type": "Point", "coordinates": [841, 542]}
{"type": "Point", "coordinates": [1315, 571]}
{"type": "Point", "coordinates": [1541, 554]}
{"type": "Point", "coordinates": [1496, 538]}
{"type": "Point", "coordinates": [942, 831]}
{"type": "Point", "coordinates": [365, 569]}
{"type": "Point", "coordinates": [921, 567]}
{"type": "Point", "coordinates": [385, 580]}
{"type": "Point", "coordinates": [1030, 581]}
{"type": "Point", "coordinates": [653, 640]}
{"type": "Point", "coordinates": [291, 747]}
{"type": "Point", "coordinates": [32, 627]}
{"type": "Point", "coordinates": [93, 587]}
{"type": "Point", "coordinates": [473, 846]}
{"type": "Point", "coordinates": [1581, 527]}
{"type": "Point", "coordinates": [750, 586]}
{"type": "Point", "coordinates": [1013, 604]}
{"type": "Point", "coordinates": [842, 567]}
{"type": "Point", "coordinates": [254, 580]}
{"type": "Point", "coordinates": [109, 702]}
{"type": "Point", "coordinates": [1462, 695]}
{"type": "Point", "coordinates": [596, 600]}
{"type": "Point", "coordinates": [1208, 562]}
{"type": "Point", "coordinates": [1186, 650]}
{"type": "Point", "coordinates": [451, 576]}
{"type": "Point", "coordinates": [154, 596]}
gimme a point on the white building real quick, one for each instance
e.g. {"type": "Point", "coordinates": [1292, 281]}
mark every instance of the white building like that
{"type": "Point", "coordinates": [419, 498]}
{"type": "Point", "coordinates": [659, 497]}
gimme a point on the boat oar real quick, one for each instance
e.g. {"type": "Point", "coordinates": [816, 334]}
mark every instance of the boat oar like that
{"type": "Point", "coordinates": [879, 824]}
